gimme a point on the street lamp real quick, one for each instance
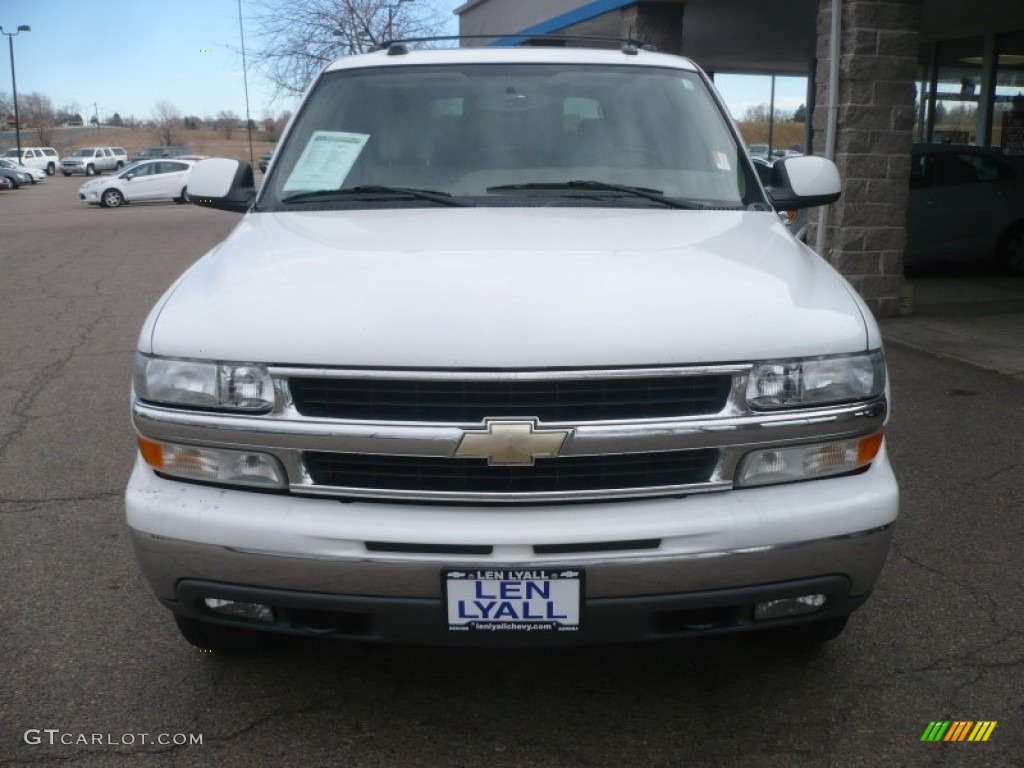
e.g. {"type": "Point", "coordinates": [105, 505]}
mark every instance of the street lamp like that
{"type": "Point", "coordinates": [14, 83]}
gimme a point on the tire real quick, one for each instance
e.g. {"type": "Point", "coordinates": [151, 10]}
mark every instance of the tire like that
{"type": "Point", "coordinates": [183, 198]}
{"type": "Point", "coordinates": [221, 639]}
{"type": "Point", "coordinates": [90, 170]}
{"type": "Point", "coordinates": [120, 165]}
{"type": "Point", "coordinates": [111, 198]}
{"type": "Point", "coordinates": [51, 169]}
{"type": "Point", "coordinates": [1010, 251]}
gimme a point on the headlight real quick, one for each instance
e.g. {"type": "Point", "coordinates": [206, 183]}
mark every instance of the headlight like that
{"type": "Point", "coordinates": [816, 381]}
{"type": "Point", "coordinates": [230, 386]}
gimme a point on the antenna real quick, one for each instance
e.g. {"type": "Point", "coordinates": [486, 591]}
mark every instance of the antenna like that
{"type": "Point", "coordinates": [245, 81]}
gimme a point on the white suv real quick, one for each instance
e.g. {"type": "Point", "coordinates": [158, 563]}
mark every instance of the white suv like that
{"type": "Point", "coordinates": [510, 347]}
{"type": "Point", "coordinates": [44, 158]}
{"type": "Point", "coordinates": [91, 161]}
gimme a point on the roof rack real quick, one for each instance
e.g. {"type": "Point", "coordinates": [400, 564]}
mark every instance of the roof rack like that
{"type": "Point", "coordinates": [628, 45]}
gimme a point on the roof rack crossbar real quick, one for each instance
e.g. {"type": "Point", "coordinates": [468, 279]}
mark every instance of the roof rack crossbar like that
{"type": "Point", "coordinates": [630, 45]}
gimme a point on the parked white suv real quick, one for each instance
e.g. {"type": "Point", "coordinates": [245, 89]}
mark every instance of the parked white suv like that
{"type": "Point", "coordinates": [45, 158]}
{"type": "Point", "coordinates": [510, 347]}
{"type": "Point", "coordinates": [92, 160]}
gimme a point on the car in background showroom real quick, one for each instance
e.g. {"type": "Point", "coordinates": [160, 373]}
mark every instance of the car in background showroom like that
{"type": "Point", "coordinates": [35, 174]}
{"type": "Point", "coordinates": [966, 207]}
{"type": "Point", "coordinates": [148, 180]}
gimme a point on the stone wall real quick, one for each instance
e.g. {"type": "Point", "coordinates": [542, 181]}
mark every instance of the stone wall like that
{"type": "Point", "coordinates": [865, 234]}
{"type": "Point", "coordinates": [658, 24]}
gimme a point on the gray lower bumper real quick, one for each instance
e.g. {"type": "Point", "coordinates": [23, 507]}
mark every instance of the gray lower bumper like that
{"type": "Point", "coordinates": [858, 557]}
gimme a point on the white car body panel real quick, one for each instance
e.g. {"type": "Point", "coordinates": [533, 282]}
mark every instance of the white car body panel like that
{"type": "Point", "coordinates": [347, 288]}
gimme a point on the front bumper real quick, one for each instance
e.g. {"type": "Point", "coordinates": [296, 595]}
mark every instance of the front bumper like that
{"type": "Point", "coordinates": [647, 562]}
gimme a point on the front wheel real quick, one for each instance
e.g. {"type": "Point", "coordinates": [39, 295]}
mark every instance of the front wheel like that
{"type": "Point", "coordinates": [90, 170]}
{"type": "Point", "coordinates": [111, 198]}
{"type": "Point", "coordinates": [220, 639]}
{"type": "Point", "coordinates": [120, 165]}
{"type": "Point", "coordinates": [51, 169]}
{"type": "Point", "coordinates": [183, 197]}
{"type": "Point", "coordinates": [1010, 252]}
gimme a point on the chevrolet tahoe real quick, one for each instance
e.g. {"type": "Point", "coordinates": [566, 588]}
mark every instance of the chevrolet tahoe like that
{"type": "Point", "coordinates": [510, 347]}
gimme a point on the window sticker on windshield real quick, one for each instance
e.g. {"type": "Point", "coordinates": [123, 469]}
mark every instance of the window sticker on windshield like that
{"type": "Point", "coordinates": [326, 160]}
{"type": "Point", "coordinates": [721, 161]}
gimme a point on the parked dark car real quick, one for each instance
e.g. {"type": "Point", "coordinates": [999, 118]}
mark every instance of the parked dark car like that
{"type": "Point", "coordinates": [966, 206]}
{"type": "Point", "coordinates": [6, 183]}
{"type": "Point", "coordinates": [152, 153]}
{"type": "Point", "coordinates": [17, 178]}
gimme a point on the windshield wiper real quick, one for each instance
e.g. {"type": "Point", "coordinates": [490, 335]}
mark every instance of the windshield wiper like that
{"type": "Point", "coordinates": [651, 194]}
{"type": "Point", "coordinates": [443, 198]}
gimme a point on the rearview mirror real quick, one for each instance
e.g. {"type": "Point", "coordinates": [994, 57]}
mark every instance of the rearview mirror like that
{"type": "Point", "coordinates": [803, 182]}
{"type": "Point", "coordinates": [222, 183]}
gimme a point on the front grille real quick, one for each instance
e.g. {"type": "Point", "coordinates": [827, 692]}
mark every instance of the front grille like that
{"type": "Point", "coordinates": [550, 400]}
{"type": "Point", "coordinates": [574, 473]}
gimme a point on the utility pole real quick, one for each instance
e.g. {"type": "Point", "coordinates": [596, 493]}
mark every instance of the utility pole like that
{"type": "Point", "coordinates": [14, 82]}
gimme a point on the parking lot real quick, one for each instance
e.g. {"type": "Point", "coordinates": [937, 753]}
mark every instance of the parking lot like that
{"type": "Point", "coordinates": [86, 651]}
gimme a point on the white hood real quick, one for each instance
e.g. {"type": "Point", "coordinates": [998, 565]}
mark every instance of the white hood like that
{"type": "Point", "coordinates": [507, 288]}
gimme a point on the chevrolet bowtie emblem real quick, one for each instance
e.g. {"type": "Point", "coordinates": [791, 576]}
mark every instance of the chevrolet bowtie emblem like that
{"type": "Point", "coordinates": [511, 443]}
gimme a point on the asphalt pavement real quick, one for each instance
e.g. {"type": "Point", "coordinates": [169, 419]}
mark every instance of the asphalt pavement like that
{"type": "Point", "coordinates": [967, 316]}
{"type": "Point", "coordinates": [93, 673]}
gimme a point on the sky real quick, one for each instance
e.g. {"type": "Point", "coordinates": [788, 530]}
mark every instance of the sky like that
{"type": "Point", "coordinates": [124, 56]}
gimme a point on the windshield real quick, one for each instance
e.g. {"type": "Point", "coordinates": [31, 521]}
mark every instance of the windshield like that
{"type": "Point", "coordinates": [510, 134]}
{"type": "Point", "coordinates": [84, 152]}
{"type": "Point", "coordinates": [152, 152]}
{"type": "Point", "coordinates": [11, 153]}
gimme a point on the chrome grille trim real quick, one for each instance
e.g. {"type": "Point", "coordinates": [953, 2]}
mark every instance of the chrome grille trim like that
{"type": "Point", "coordinates": [266, 433]}
{"type": "Point", "coordinates": [286, 434]}
{"type": "Point", "coordinates": [284, 372]}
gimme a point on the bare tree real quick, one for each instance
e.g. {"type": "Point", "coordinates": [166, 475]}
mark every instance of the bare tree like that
{"type": "Point", "coordinates": [758, 113]}
{"type": "Point", "coordinates": [297, 38]}
{"type": "Point", "coordinates": [273, 127]}
{"type": "Point", "coordinates": [35, 111]}
{"type": "Point", "coordinates": [227, 121]}
{"type": "Point", "coordinates": [167, 121]}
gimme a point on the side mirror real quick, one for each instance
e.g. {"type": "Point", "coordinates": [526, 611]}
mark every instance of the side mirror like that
{"type": "Point", "coordinates": [221, 183]}
{"type": "Point", "coordinates": [803, 182]}
{"type": "Point", "coordinates": [129, 176]}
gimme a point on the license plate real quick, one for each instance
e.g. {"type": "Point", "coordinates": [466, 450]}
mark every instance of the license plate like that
{"type": "Point", "coordinates": [513, 599]}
